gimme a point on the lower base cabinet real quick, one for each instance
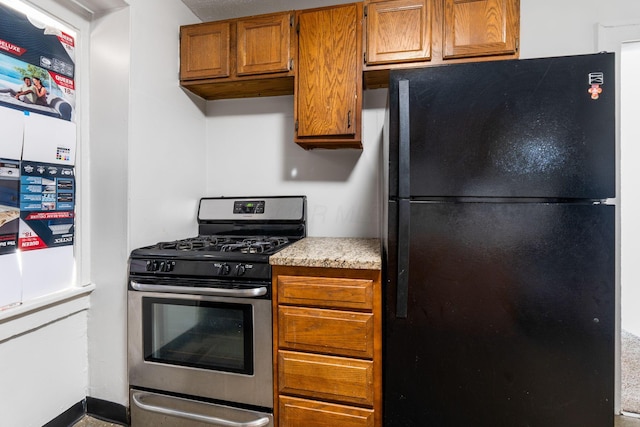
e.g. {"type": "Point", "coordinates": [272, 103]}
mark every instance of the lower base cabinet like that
{"type": "Point", "coordinates": [327, 352]}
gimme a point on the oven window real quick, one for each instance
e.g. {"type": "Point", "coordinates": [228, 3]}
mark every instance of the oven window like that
{"type": "Point", "coordinates": [201, 334]}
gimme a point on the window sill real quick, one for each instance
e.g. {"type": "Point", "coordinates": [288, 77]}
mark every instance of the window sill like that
{"type": "Point", "coordinates": [20, 319]}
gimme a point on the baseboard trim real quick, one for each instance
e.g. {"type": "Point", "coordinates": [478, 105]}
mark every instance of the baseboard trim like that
{"type": "Point", "coordinates": [97, 408]}
{"type": "Point", "coordinates": [68, 417]}
{"type": "Point", "coordinates": [107, 411]}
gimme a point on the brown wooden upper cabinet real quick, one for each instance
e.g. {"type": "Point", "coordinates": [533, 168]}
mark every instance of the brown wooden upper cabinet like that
{"type": "Point", "coordinates": [398, 31]}
{"type": "Point", "coordinates": [251, 56]}
{"type": "Point", "coordinates": [480, 27]}
{"type": "Point", "coordinates": [264, 44]}
{"type": "Point", "coordinates": [204, 50]}
{"type": "Point", "coordinates": [418, 33]}
{"type": "Point", "coordinates": [328, 77]}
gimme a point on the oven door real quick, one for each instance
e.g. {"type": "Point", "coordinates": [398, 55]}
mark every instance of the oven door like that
{"type": "Point", "coordinates": [205, 346]}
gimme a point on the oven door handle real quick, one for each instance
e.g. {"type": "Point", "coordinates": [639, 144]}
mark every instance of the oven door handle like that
{"type": "Point", "coordinates": [218, 292]}
{"type": "Point", "coordinates": [137, 396]}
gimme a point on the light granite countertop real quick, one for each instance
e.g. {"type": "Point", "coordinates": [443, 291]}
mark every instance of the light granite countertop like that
{"type": "Point", "coordinates": [331, 252]}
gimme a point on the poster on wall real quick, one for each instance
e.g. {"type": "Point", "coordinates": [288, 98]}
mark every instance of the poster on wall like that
{"type": "Point", "coordinates": [37, 66]}
{"type": "Point", "coordinates": [10, 153]}
{"type": "Point", "coordinates": [47, 184]}
{"type": "Point", "coordinates": [46, 233]}
{"type": "Point", "coordinates": [9, 209]}
{"type": "Point", "coordinates": [47, 202]}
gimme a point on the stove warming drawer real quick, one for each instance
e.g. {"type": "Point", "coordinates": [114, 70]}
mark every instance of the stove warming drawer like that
{"type": "Point", "coordinates": [154, 409]}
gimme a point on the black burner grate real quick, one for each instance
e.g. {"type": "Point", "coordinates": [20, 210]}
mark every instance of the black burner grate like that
{"type": "Point", "coordinates": [250, 245]}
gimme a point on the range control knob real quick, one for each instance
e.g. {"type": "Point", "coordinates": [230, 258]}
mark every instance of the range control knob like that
{"type": "Point", "coordinates": [152, 265]}
{"type": "Point", "coordinates": [167, 265]}
{"type": "Point", "coordinates": [240, 270]}
{"type": "Point", "coordinates": [224, 269]}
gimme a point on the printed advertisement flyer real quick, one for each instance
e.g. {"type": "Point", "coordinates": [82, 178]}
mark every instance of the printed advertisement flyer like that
{"type": "Point", "coordinates": [37, 66]}
{"type": "Point", "coordinates": [10, 152]}
{"type": "Point", "coordinates": [47, 204]}
{"type": "Point", "coordinates": [9, 209]}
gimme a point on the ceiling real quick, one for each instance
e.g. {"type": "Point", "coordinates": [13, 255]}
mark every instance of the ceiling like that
{"type": "Point", "coordinates": [214, 10]}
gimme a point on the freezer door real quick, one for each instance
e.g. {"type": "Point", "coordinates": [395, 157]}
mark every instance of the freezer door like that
{"type": "Point", "coordinates": [521, 128]}
{"type": "Point", "coordinates": [509, 318]}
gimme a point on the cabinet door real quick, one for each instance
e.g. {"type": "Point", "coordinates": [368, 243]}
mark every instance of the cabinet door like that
{"type": "Point", "coordinates": [398, 31]}
{"type": "Point", "coordinates": [480, 27]}
{"type": "Point", "coordinates": [204, 50]}
{"type": "Point", "coordinates": [264, 44]}
{"type": "Point", "coordinates": [329, 72]}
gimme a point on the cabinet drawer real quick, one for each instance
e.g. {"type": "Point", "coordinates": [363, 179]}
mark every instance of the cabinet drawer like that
{"type": "Point", "coordinates": [330, 378]}
{"type": "Point", "coordinates": [335, 332]}
{"type": "Point", "coordinates": [330, 292]}
{"type": "Point", "coordinates": [308, 413]}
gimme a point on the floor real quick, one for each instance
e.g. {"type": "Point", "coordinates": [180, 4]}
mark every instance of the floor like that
{"type": "Point", "coordinates": [88, 421]}
{"type": "Point", "coordinates": [627, 422]}
{"type": "Point", "coordinates": [630, 370]}
{"type": "Point", "coordinates": [92, 422]}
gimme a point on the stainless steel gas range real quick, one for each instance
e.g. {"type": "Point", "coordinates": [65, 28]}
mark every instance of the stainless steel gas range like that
{"type": "Point", "coordinates": [199, 316]}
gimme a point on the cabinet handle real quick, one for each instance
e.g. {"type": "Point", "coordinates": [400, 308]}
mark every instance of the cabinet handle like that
{"type": "Point", "coordinates": [349, 119]}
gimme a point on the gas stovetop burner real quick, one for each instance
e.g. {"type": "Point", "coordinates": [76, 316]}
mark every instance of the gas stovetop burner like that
{"type": "Point", "coordinates": [245, 245]}
{"type": "Point", "coordinates": [255, 245]}
{"type": "Point", "coordinates": [195, 243]}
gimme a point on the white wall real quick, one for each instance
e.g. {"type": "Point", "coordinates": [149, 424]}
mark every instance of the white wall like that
{"type": "Point", "coordinates": [147, 140]}
{"type": "Point", "coordinates": [166, 134]}
{"type": "Point", "coordinates": [109, 138]}
{"type": "Point", "coordinates": [554, 28]}
{"type": "Point", "coordinates": [250, 152]}
{"type": "Point", "coordinates": [44, 372]}
{"type": "Point", "coordinates": [630, 192]}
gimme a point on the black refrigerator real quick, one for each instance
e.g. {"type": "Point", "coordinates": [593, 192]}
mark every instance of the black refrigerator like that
{"type": "Point", "coordinates": [499, 244]}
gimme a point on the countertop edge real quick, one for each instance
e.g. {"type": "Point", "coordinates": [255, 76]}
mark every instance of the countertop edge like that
{"type": "Point", "coordinates": [331, 252]}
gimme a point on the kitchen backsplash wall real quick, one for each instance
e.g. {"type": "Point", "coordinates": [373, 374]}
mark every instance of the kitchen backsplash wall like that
{"type": "Point", "coordinates": [250, 151]}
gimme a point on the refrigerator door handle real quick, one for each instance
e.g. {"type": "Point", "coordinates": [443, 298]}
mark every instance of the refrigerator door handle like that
{"type": "Point", "coordinates": [402, 282]}
{"type": "Point", "coordinates": [404, 212]}
{"type": "Point", "coordinates": [404, 167]}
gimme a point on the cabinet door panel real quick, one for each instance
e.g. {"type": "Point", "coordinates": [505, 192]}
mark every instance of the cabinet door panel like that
{"type": "Point", "coordinates": [480, 27]}
{"type": "Point", "coordinates": [326, 331]}
{"type": "Point", "coordinates": [329, 72]}
{"type": "Point", "coordinates": [205, 51]}
{"type": "Point", "coordinates": [330, 378]}
{"type": "Point", "coordinates": [309, 413]}
{"type": "Point", "coordinates": [263, 44]}
{"type": "Point", "coordinates": [398, 31]}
